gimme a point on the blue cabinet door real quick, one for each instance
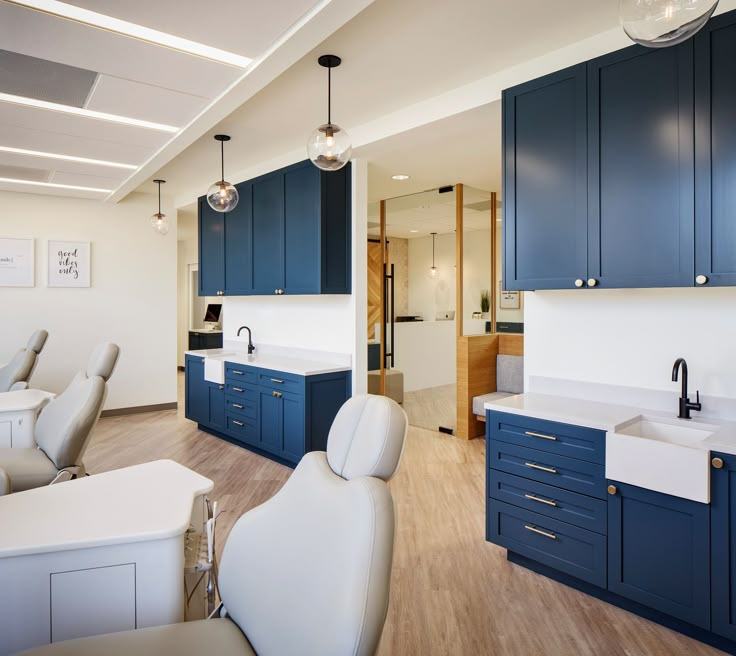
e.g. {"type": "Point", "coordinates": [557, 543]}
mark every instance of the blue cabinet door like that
{"type": "Point", "coordinates": [292, 445]}
{"type": "Point", "coordinates": [302, 230]}
{"type": "Point", "coordinates": [211, 250]}
{"type": "Point", "coordinates": [659, 552]}
{"type": "Point", "coordinates": [544, 168]}
{"type": "Point", "coordinates": [215, 406]}
{"type": "Point", "coordinates": [271, 421]}
{"type": "Point", "coordinates": [715, 147]}
{"type": "Point", "coordinates": [641, 168]}
{"type": "Point", "coordinates": [336, 242]}
{"type": "Point", "coordinates": [238, 258]}
{"type": "Point", "coordinates": [723, 547]}
{"type": "Point", "coordinates": [268, 234]}
{"type": "Point", "coordinates": [196, 397]}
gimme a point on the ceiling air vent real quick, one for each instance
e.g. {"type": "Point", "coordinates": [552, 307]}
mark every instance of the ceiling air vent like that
{"type": "Point", "coordinates": [41, 79]}
{"type": "Point", "coordinates": [23, 173]}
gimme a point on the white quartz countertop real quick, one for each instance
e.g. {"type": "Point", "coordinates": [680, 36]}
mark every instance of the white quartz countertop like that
{"type": "Point", "coordinates": [301, 365]}
{"type": "Point", "coordinates": [608, 417]}
{"type": "Point", "coordinates": [145, 502]}
{"type": "Point", "coordinates": [28, 399]}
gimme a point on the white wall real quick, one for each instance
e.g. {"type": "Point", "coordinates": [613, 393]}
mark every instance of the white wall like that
{"type": "Point", "coordinates": [428, 294]}
{"type": "Point", "coordinates": [331, 323]}
{"type": "Point", "coordinates": [632, 337]}
{"type": "Point", "coordinates": [132, 300]}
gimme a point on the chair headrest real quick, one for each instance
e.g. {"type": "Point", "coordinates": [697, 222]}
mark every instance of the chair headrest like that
{"type": "Point", "coordinates": [103, 360]}
{"type": "Point", "coordinates": [367, 438]}
{"type": "Point", "coordinates": [37, 341]}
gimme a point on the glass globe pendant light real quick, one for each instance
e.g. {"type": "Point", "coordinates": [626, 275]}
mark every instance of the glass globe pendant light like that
{"type": "Point", "coordinates": [329, 146]}
{"type": "Point", "coordinates": [661, 23]}
{"type": "Point", "coordinates": [222, 196]}
{"type": "Point", "coordinates": [159, 222]}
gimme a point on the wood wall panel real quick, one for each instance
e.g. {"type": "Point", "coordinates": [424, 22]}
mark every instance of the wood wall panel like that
{"type": "Point", "coordinates": [511, 344]}
{"type": "Point", "coordinates": [375, 269]}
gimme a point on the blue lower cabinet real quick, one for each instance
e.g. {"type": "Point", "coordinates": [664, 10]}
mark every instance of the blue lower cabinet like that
{"type": "Point", "coordinates": [659, 552]}
{"type": "Point", "coordinates": [278, 415]}
{"type": "Point", "coordinates": [569, 549]}
{"type": "Point", "coordinates": [196, 395]}
{"type": "Point", "coordinates": [723, 545]}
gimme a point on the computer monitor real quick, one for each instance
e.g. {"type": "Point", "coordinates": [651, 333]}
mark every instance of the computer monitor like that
{"type": "Point", "coordinates": [212, 315]}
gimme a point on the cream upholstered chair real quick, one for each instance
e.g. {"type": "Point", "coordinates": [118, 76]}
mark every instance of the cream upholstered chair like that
{"type": "Point", "coordinates": [62, 429]}
{"type": "Point", "coordinates": [307, 572]}
{"type": "Point", "coordinates": [21, 366]}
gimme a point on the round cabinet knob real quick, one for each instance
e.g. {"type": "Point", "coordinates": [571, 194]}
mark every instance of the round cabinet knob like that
{"type": "Point", "coordinates": [612, 489]}
{"type": "Point", "coordinates": [579, 282]}
{"type": "Point", "coordinates": [592, 282]}
{"type": "Point", "coordinates": [220, 387]}
{"type": "Point", "coordinates": [275, 291]}
{"type": "Point", "coordinates": [701, 279]}
{"type": "Point", "coordinates": [717, 463]}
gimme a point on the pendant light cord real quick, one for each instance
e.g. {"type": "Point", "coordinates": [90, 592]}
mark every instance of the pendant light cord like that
{"type": "Point", "coordinates": [222, 161]}
{"type": "Point", "coordinates": [329, 96]}
{"type": "Point", "coordinates": [159, 197]}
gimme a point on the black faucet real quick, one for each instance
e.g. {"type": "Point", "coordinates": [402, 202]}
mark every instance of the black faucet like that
{"type": "Point", "coordinates": [685, 404]}
{"type": "Point", "coordinates": [251, 348]}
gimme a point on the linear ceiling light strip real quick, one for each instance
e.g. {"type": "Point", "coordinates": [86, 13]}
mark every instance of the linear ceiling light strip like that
{"type": "Point", "coordinates": [85, 113]}
{"type": "Point", "coordinates": [54, 185]}
{"type": "Point", "coordinates": [133, 31]}
{"type": "Point", "coordinates": [66, 158]}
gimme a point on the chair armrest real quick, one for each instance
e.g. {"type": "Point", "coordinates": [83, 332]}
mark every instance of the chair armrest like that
{"type": "Point", "coordinates": [4, 483]}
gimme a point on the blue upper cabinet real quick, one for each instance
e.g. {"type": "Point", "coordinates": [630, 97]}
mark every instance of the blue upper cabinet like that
{"type": "Point", "coordinates": [659, 552]}
{"type": "Point", "coordinates": [723, 551]}
{"type": "Point", "coordinates": [268, 234]}
{"type": "Point", "coordinates": [715, 147]}
{"type": "Point", "coordinates": [211, 250]}
{"type": "Point", "coordinates": [641, 167]}
{"type": "Point", "coordinates": [545, 214]}
{"type": "Point", "coordinates": [289, 234]}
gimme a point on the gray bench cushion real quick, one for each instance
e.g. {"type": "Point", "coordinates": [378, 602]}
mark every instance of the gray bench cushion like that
{"type": "Point", "coordinates": [480, 401]}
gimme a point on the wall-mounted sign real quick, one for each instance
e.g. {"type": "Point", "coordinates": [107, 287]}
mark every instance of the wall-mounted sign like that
{"type": "Point", "coordinates": [16, 262]}
{"type": "Point", "coordinates": [69, 264]}
{"type": "Point", "coordinates": [508, 300]}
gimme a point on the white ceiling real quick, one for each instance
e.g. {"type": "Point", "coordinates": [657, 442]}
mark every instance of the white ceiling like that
{"type": "Point", "coordinates": [131, 78]}
{"type": "Point", "coordinates": [394, 54]}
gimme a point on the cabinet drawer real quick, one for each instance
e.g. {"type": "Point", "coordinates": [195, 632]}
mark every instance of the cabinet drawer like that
{"type": "Point", "coordinates": [567, 548]}
{"type": "Point", "coordinates": [567, 473]}
{"type": "Point", "coordinates": [242, 428]}
{"type": "Point", "coordinates": [241, 405]}
{"type": "Point", "coordinates": [281, 382]}
{"type": "Point", "coordinates": [571, 507]}
{"type": "Point", "coordinates": [240, 373]}
{"type": "Point", "coordinates": [563, 439]}
{"type": "Point", "coordinates": [241, 390]}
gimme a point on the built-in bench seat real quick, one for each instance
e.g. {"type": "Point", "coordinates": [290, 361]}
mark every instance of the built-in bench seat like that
{"type": "Point", "coordinates": [509, 381]}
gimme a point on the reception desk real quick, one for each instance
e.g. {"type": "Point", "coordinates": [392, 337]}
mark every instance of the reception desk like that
{"type": "Point", "coordinates": [426, 353]}
{"type": "Point", "coordinates": [96, 555]}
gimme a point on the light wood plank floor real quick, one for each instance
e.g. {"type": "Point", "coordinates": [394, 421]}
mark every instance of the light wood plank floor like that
{"type": "Point", "coordinates": [432, 407]}
{"type": "Point", "coordinates": [452, 592]}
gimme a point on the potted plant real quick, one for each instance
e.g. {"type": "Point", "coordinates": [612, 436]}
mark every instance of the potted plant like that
{"type": "Point", "coordinates": [485, 303]}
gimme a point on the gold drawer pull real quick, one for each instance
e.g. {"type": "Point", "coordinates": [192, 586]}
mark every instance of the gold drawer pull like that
{"type": "Point", "coordinates": [547, 502]}
{"type": "Point", "coordinates": [276, 380]}
{"type": "Point", "coordinates": [237, 373]}
{"type": "Point", "coordinates": [539, 531]}
{"type": "Point", "coordinates": [238, 389]}
{"type": "Point", "coordinates": [238, 406]}
{"type": "Point", "coordinates": [278, 395]}
{"type": "Point", "coordinates": [549, 470]}
{"type": "Point", "coordinates": [541, 435]}
{"type": "Point", "coordinates": [238, 423]}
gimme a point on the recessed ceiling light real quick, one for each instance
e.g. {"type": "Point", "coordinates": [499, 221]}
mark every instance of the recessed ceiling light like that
{"type": "Point", "coordinates": [66, 158]}
{"type": "Point", "coordinates": [400, 176]}
{"type": "Point", "coordinates": [413, 230]}
{"type": "Point", "coordinates": [85, 113]}
{"type": "Point", "coordinates": [124, 28]}
{"type": "Point", "coordinates": [55, 185]}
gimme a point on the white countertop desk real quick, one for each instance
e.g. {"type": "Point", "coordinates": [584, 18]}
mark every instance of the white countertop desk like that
{"type": "Point", "coordinates": [100, 554]}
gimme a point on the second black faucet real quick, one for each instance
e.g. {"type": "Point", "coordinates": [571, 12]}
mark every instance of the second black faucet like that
{"type": "Point", "coordinates": [685, 404]}
{"type": "Point", "coordinates": [251, 348]}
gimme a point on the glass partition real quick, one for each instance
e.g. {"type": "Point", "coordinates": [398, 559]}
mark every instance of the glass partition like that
{"type": "Point", "coordinates": [477, 262]}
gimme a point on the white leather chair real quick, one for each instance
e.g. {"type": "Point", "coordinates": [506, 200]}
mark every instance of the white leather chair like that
{"type": "Point", "coordinates": [21, 366]}
{"type": "Point", "coordinates": [307, 572]}
{"type": "Point", "coordinates": [62, 429]}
